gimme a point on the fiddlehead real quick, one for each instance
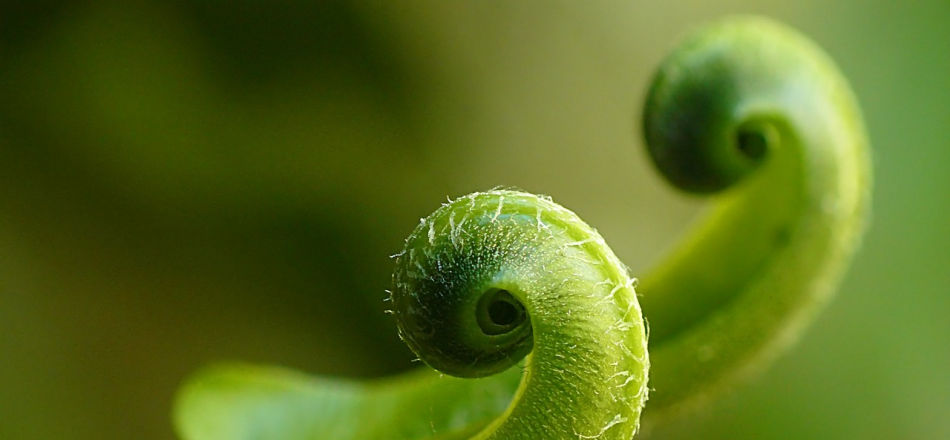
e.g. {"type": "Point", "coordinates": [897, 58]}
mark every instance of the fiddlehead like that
{"type": "Point", "coordinates": [493, 276]}
{"type": "Point", "coordinates": [759, 115]}
{"type": "Point", "coordinates": [746, 110]}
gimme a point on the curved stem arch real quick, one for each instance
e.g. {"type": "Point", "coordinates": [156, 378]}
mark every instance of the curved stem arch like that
{"type": "Point", "coordinates": [538, 319]}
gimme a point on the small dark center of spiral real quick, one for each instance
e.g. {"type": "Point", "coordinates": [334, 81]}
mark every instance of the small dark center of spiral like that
{"type": "Point", "coordinates": [502, 313]}
{"type": "Point", "coordinates": [499, 312]}
{"type": "Point", "coordinates": [752, 142]}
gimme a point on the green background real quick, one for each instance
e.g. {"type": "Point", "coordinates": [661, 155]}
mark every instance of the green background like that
{"type": "Point", "coordinates": [183, 182]}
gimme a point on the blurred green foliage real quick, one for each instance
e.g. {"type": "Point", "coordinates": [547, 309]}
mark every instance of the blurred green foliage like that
{"type": "Point", "coordinates": [189, 181]}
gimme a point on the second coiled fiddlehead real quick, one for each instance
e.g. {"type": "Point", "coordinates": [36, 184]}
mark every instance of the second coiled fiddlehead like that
{"type": "Point", "coordinates": [746, 109]}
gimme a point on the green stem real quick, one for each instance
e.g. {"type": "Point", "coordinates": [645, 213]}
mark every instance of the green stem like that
{"type": "Point", "coordinates": [519, 295]}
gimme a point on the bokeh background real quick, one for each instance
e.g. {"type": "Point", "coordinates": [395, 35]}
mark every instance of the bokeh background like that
{"type": "Point", "coordinates": [188, 181]}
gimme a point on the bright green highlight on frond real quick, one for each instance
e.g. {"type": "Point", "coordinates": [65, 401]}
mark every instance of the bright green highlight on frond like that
{"type": "Point", "coordinates": [523, 299]}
